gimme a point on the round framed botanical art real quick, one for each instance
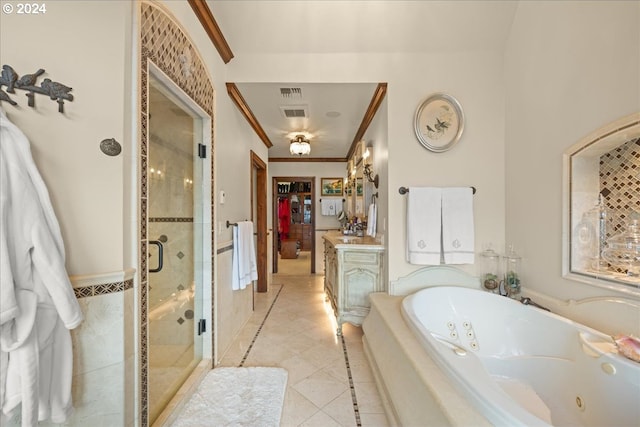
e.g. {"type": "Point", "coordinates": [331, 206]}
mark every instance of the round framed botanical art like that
{"type": "Point", "coordinates": [439, 122]}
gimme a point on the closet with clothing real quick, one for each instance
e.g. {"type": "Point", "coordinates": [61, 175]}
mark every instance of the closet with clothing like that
{"type": "Point", "coordinates": [294, 208]}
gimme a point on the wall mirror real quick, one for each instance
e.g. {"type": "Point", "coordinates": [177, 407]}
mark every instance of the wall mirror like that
{"type": "Point", "coordinates": [602, 207]}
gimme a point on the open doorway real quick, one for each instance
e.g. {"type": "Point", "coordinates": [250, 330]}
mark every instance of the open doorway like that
{"type": "Point", "coordinates": [294, 225]}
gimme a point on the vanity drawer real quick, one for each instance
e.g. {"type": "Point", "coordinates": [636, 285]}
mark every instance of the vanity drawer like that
{"type": "Point", "coordinates": [366, 258]}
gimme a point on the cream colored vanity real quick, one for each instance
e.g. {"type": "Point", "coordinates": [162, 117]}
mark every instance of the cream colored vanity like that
{"type": "Point", "coordinates": [353, 269]}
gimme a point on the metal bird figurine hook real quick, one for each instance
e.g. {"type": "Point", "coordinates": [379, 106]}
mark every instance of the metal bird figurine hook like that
{"type": "Point", "coordinates": [55, 91]}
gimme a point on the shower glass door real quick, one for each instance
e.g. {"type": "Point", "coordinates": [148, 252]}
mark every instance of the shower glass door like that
{"type": "Point", "coordinates": [175, 245]}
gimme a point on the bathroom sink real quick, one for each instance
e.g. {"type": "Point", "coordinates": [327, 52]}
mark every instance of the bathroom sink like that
{"type": "Point", "coordinates": [348, 239]}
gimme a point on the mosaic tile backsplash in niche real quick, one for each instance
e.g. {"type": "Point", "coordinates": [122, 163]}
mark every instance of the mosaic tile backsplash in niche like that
{"type": "Point", "coordinates": [620, 183]}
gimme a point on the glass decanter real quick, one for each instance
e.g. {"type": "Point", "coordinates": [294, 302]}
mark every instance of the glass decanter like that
{"type": "Point", "coordinates": [623, 250]}
{"type": "Point", "coordinates": [490, 268]}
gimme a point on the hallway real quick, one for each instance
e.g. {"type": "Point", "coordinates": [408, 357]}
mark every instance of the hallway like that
{"type": "Point", "coordinates": [330, 382]}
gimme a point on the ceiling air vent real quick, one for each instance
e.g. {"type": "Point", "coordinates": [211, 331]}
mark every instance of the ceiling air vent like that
{"type": "Point", "coordinates": [291, 92]}
{"type": "Point", "coordinates": [294, 111]}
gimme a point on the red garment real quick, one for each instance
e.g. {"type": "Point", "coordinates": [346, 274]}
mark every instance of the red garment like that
{"type": "Point", "coordinates": [284, 216]}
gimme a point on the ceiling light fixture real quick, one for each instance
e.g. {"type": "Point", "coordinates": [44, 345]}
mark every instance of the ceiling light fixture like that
{"type": "Point", "coordinates": [300, 146]}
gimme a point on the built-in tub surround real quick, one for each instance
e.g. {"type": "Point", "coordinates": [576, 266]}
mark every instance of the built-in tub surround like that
{"type": "Point", "coordinates": [519, 365]}
{"type": "Point", "coordinates": [457, 355]}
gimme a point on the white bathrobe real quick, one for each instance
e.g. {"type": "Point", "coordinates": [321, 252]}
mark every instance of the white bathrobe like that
{"type": "Point", "coordinates": [37, 302]}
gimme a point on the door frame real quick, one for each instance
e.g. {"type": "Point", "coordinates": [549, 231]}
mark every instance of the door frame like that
{"type": "Point", "coordinates": [274, 217]}
{"type": "Point", "coordinates": [260, 167]}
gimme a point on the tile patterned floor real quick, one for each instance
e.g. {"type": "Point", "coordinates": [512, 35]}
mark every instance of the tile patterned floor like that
{"type": "Point", "coordinates": [330, 382]}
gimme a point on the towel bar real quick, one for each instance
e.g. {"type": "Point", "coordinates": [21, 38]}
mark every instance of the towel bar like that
{"type": "Point", "coordinates": [405, 190]}
{"type": "Point", "coordinates": [229, 224]}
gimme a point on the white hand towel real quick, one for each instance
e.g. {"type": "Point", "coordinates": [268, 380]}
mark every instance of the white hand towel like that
{"type": "Point", "coordinates": [371, 220]}
{"type": "Point", "coordinates": [244, 264]}
{"type": "Point", "coordinates": [325, 205]}
{"type": "Point", "coordinates": [424, 225]}
{"type": "Point", "coordinates": [457, 225]}
{"type": "Point", "coordinates": [331, 207]}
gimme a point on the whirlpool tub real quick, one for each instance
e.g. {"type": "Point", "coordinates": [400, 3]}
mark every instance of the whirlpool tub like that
{"type": "Point", "coordinates": [490, 360]}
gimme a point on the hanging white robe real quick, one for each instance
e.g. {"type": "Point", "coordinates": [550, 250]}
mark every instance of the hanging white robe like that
{"type": "Point", "coordinates": [37, 302]}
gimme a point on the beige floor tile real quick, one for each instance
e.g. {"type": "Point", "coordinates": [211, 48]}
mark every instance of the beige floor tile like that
{"type": "Point", "coordinates": [298, 369]}
{"type": "Point", "coordinates": [320, 419]}
{"type": "Point", "coordinates": [374, 420]}
{"type": "Point", "coordinates": [268, 355]}
{"type": "Point", "coordinates": [320, 388]}
{"type": "Point", "coordinates": [322, 355]}
{"type": "Point", "coordinates": [361, 371]}
{"type": "Point", "coordinates": [341, 409]}
{"type": "Point", "coordinates": [297, 409]}
{"type": "Point", "coordinates": [369, 401]}
{"type": "Point", "coordinates": [338, 371]}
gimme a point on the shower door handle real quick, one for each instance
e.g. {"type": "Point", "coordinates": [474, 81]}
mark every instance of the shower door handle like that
{"type": "Point", "coordinates": [158, 243]}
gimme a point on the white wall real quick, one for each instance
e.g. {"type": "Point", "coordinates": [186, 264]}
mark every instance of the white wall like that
{"type": "Point", "coordinates": [474, 78]}
{"type": "Point", "coordinates": [580, 73]}
{"type": "Point", "coordinates": [377, 137]}
{"type": "Point", "coordinates": [85, 185]}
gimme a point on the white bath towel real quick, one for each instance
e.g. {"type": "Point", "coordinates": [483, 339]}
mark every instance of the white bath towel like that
{"type": "Point", "coordinates": [331, 207]}
{"type": "Point", "coordinates": [457, 225]}
{"type": "Point", "coordinates": [423, 225]}
{"type": "Point", "coordinates": [244, 256]}
{"type": "Point", "coordinates": [371, 220]}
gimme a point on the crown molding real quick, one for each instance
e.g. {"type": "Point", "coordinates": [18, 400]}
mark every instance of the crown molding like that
{"type": "Point", "coordinates": [202, 11]}
{"type": "Point", "coordinates": [376, 100]}
{"type": "Point", "coordinates": [237, 98]}
{"type": "Point", "coordinates": [308, 159]}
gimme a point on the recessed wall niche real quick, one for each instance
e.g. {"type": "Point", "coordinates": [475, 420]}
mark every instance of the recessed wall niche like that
{"type": "Point", "coordinates": [602, 199]}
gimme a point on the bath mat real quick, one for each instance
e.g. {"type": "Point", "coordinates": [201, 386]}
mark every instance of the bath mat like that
{"type": "Point", "coordinates": [251, 396]}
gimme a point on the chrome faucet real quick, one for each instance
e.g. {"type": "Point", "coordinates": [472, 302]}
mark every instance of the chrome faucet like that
{"type": "Point", "coordinates": [529, 301]}
{"type": "Point", "coordinates": [502, 289]}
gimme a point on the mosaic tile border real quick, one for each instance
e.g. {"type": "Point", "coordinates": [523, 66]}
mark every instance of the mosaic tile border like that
{"type": "Point", "coordinates": [164, 43]}
{"type": "Point", "coordinates": [354, 399]}
{"type": "Point", "coordinates": [170, 219]}
{"type": "Point", "coordinates": [103, 289]}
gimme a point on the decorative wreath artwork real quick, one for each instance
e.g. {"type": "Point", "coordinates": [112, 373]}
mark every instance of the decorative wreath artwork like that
{"type": "Point", "coordinates": [439, 122]}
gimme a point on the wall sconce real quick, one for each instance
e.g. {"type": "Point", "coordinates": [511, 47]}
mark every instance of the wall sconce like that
{"type": "Point", "coordinates": [368, 172]}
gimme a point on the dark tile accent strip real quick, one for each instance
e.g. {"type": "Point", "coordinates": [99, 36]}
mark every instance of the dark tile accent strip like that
{"type": "Point", "coordinates": [255, 337]}
{"type": "Point", "coordinates": [356, 410]}
{"type": "Point", "coordinates": [225, 249]}
{"type": "Point", "coordinates": [170, 219]}
{"type": "Point", "coordinates": [103, 289]}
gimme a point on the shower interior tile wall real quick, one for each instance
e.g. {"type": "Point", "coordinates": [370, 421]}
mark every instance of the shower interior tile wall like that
{"type": "Point", "coordinates": [171, 221]}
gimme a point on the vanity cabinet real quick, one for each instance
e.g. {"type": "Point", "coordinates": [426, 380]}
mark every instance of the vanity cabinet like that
{"type": "Point", "coordinates": [353, 269]}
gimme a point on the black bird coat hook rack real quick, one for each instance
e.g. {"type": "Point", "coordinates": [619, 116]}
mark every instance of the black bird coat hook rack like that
{"type": "Point", "coordinates": [28, 82]}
